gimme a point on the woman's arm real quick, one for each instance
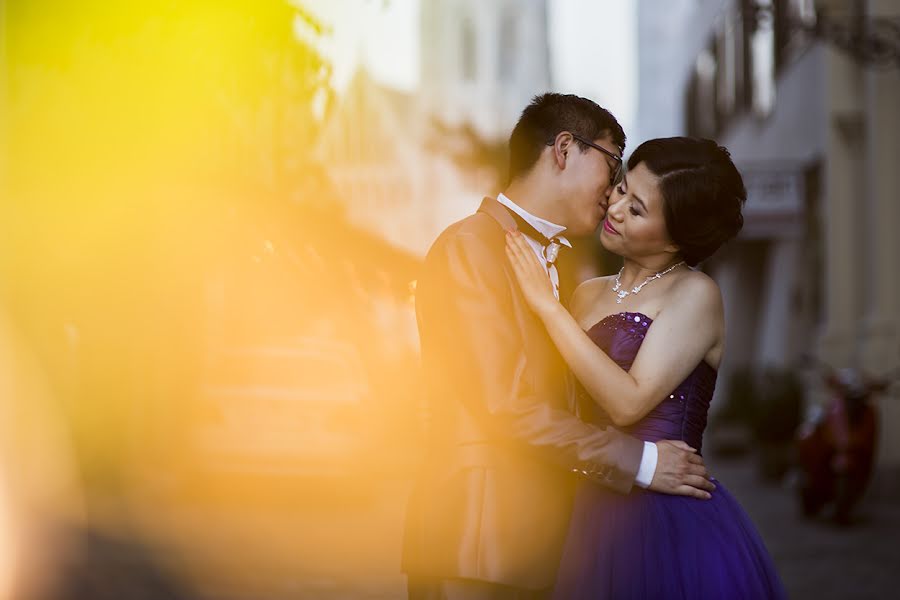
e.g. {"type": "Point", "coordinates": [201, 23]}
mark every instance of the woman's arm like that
{"type": "Point", "coordinates": [681, 336]}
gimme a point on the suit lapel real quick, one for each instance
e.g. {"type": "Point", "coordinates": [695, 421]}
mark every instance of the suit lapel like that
{"type": "Point", "coordinates": [533, 330]}
{"type": "Point", "coordinates": [545, 361]}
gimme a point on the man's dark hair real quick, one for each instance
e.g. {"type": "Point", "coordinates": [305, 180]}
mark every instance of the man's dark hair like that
{"type": "Point", "coordinates": [703, 192]}
{"type": "Point", "coordinates": [547, 116]}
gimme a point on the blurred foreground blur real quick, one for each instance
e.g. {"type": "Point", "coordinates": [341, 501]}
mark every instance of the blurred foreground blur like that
{"type": "Point", "coordinates": [204, 363]}
{"type": "Point", "coordinates": [208, 257]}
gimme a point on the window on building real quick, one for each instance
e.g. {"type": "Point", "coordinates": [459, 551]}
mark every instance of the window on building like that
{"type": "Point", "coordinates": [804, 11]}
{"type": "Point", "coordinates": [762, 55]}
{"type": "Point", "coordinates": [508, 48]}
{"type": "Point", "coordinates": [793, 21]}
{"type": "Point", "coordinates": [468, 50]}
{"type": "Point", "coordinates": [726, 75]}
{"type": "Point", "coordinates": [744, 33]}
{"type": "Point", "coordinates": [731, 58]}
{"type": "Point", "coordinates": [737, 70]}
{"type": "Point", "coordinates": [700, 102]}
{"type": "Point", "coordinates": [706, 68]}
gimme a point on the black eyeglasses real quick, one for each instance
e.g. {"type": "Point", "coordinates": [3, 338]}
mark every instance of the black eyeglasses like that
{"type": "Point", "coordinates": [617, 170]}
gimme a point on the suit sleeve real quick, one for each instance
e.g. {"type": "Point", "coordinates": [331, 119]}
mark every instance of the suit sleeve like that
{"type": "Point", "coordinates": [471, 293]}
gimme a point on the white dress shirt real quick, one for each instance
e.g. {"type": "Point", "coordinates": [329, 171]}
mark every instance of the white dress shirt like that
{"type": "Point", "coordinates": [551, 230]}
{"type": "Point", "coordinates": [651, 454]}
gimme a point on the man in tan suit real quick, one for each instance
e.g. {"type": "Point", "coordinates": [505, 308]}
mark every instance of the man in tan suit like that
{"type": "Point", "coordinates": [489, 513]}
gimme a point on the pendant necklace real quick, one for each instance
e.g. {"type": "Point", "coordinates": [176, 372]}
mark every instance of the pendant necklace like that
{"type": "Point", "coordinates": [621, 294]}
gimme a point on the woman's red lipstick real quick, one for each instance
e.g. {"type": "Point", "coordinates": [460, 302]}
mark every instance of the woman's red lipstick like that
{"type": "Point", "coordinates": [609, 227]}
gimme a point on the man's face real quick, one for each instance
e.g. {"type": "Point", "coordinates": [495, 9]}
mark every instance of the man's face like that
{"type": "Point", "coordinates": [587, 182]}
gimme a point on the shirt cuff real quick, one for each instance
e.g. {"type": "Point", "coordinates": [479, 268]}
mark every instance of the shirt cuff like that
{"type": "Point", "coordinates": [648, 465]}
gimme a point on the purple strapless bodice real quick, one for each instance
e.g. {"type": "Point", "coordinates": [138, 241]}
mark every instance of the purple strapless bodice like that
{"type": "Point", "coordinates": [679, 416]}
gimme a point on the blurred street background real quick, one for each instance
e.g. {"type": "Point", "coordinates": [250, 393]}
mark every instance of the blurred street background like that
{"type": "Point", "coordinates": [213, 215]}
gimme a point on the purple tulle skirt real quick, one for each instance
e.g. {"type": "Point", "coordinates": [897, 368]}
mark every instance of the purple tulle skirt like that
{"type": "Point", "coordinates": [654, 546]}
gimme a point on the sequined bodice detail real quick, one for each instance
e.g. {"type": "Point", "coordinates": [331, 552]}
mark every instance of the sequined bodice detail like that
{"type": "Point", "coordinates": [679, 416]}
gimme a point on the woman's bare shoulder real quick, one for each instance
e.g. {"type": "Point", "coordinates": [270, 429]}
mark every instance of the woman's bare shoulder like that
{"type": "Point", "coordinates": [698, 282]}
{"type": "Point", "coordinates": [587, 293]}
{"type": "Point", "coordinates": [591, 287]}
{"type": "Point", "coordinates": [697, 292]}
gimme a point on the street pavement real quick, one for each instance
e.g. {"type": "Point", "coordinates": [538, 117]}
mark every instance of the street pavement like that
{"type": "Point", "coordinates": [817, 559]}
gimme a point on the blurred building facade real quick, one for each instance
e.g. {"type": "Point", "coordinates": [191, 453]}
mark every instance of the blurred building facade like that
{"type": "Point", "coordinates": [393, 155]}
{"type": "Point", "coordinates": [810, 116]}
{"type": "Point", "coordinates": [374, 148]}
{"type": "Point", "coordinates": [483, 61]}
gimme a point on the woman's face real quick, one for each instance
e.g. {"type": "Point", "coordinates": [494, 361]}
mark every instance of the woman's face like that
{"type": "Point", "coordinates": [635, 226]}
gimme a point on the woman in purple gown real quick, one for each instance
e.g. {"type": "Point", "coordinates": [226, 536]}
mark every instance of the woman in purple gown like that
{"type": "Point", "coordinates": [645, 345]}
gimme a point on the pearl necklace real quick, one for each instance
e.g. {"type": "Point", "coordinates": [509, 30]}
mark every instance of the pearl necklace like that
{"type": "Point", "coordinates": [621, 294]}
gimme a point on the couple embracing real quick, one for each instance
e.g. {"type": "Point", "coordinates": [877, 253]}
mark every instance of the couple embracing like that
{"type": "Point", "coordinates": [563, 449]}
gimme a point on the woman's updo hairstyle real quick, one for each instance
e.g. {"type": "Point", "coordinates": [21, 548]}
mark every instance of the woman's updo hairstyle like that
{"type": "Point", "coordinates": [703, 192]}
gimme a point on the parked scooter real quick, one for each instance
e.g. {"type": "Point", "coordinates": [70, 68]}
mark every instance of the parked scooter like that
{"type": "Point", "coordinates": [836, 447]}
